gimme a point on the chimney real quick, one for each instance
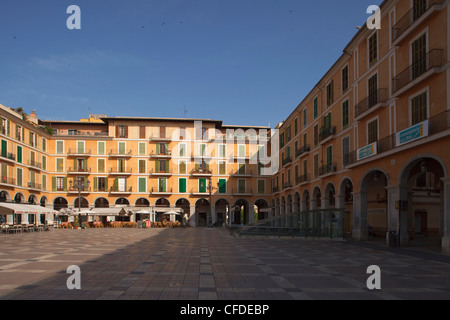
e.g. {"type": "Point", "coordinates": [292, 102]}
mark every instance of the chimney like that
{"type": "Point", "coordinates": [33, 114]}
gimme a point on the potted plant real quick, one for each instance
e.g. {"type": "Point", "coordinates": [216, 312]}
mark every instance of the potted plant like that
{"type": "Point", "coordinates": [76, 223]}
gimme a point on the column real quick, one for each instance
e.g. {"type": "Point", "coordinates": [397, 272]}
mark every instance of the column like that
{"type": "Point", "coordinates": [359, 216]}
{"type": "Point", "coordinates": [446, 212]}
{"type": "Point", "coordinates": [251, 214]}
{"type": "Point", "coordinates": [192, 217]}
{"type": "Point", "coordinates": [213, 216]}
{"type": "Point", "coordinates": [398, 218]}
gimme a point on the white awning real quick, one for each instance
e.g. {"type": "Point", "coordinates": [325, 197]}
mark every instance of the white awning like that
{"type": "Point", "coordinates": [11, 208]}
{"type": "Point", "coordinates": [114, 211]}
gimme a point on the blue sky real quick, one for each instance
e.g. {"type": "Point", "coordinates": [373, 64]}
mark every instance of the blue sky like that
{"type": "Point", "coordinates": [246, 62]}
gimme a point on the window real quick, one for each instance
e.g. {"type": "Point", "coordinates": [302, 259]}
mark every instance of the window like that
{"type": "Point", "coordinates": [19, 177]}
{"type": "Point", "coordinates": [122, 147]}
{"type": "Point", "coordinates": [59, 164]}
{"type": "Point", "coordinates": [19, 133]}
{"type": "Point", "coordinates": [316, 165]}
{"type": "Point", "coordinates": [419, 8]}
{"type": "Point", "coordinates": [182, 185]}
{"type": "Point", "coordinates": [121, 184]}
{"type": "Point", "coordinates": [419, 56]}
{"type": "Point", "coordinates": [330, 93]}
{"type": "Point", "coordinates": [295, 126]}
{"type": "Point", "coordinates": [162, 132]}
{"type": "Point", "coordinates": [44, 144]}
{"type": "Point", "coordinates": [202, 149]}
{"type": "Point", "coordinates": [142, 184]}
{"type": "Point", "coordinates": [372, 131]}
{"type": "Point", "coordinates": [241, 169]}
{"type": "Point", "coordinates": [222, 167]}
{"type": "Point", "coordinates": [44, 162]}
{"type": "Point", "coordinates": [142, 132]}
{"type": "Point", "coordinates": [241, 150]}
{"type": "Point", "coordinates": [222, 186]}
{"type": "Point", "coordinates": [304, 118]}
{"type": "Point", "coordinates": [141, 165]}
{"type": "Point", "coordinates": [222, 150]}
{"type": "Point", "coordinates": [316, 108]}
{"type": "Point", "coordinates": [373, 88]}
{"type": "Point", "coordinates": [141, 147]}
{"type": "Point", "coordinates": [346, 150]}
{"type": "Point", "coordinates": [373, 49]}
{"type": "Point", "coordinates": [80, 147]}
{"type": "Point", "coordinates": [345, 79]}
{"type": "Point", "coordinates": [162, 166]}
{"type": "Point", "coordinates": [329, 155]}
{"type": "Point", "coordinates": [102, 184]}
{"type": "Point", "coordinates": [59, 147]}
{"type": "Point", "coordinates": [288, 134]}
{"type": "Point", "coordinates": [101, 147]}
{"type": "Point", "coordinates": [305, 167]}
{"type": "Point", "coordinates": [72, 132]}
{"type": "Point", "coordinates": [121, 131]}
{"type": "Point", "coordinates": [282, 140]}
{"type": "Point", "coordinates": [101, 165]}
{"type": "Point", "coordinates": [316, 135]}
{"type": "Point", "coordinates": [4, 124]}
{"type": "Point", "coordinates": [182, 133]}
{"type": "Point", "coordinates": [61, 184]}
{"type": "Point", "coordinates": [44, 182]}
{"type": "Point", "coordinates": [32, 139]}
{"type": "Point", "coordinates": [4, 172]}
{"type": "Point", "coordinates": [182, 150]}
{"type": "Point", "coordinates": [182, 167]}
{"type": "Point", "coordinates": [19, 153]}
{"type": "Point", "coordinates": [121, 165]}
{"type": "Point", "coordinates": [305, 140]}
{"type": "Point", "coordinates": [345, 114]}
{"type": "Point", "coordinates": [419, 109]}
{"type": "Point", "coordinates": [202, 185]}
{"type": "Point", "coordinates": [241, 185]}
{"type": "Point", "coordinates": [261, 186]}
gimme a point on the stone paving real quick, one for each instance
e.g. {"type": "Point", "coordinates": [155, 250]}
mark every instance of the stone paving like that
{"type": "Point", "coordinates": [211, 264]}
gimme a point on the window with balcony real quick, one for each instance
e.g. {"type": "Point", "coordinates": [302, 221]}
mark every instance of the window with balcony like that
{"type": "Point", "coordinates": [316, 108]}
{"type": "Point", "coordinates": [241, 185]}
{"type": "Point", "coordinates": [60, 147]}
{"type": "Point", "coordinates": [372, 131]}
{"type": "Point", "coordinates": [142, 165]}
{"type": "Point", "coordinates": [418, 54]}
{"type": "Point", "coordinates": [141, 148]}
{"type": "Point", "coordinates": [182, 167]}
{"type": "Point", "coordinates": [345, 114]}
{"type": "Point", "coordinates": [19, 177]}
{"type": "Point", "coordinates": [101, 147]}
{"type": "Point", "coordinates": [345, 80]}
{"type": "Point", "coordinates": [261, 186]}
{"type": "Point", "coordinates": [101, 165]}
{"type": "Point", "coordinates": [330, 93]}
{"type": "Point", "coordinates": [419, 108]}
{"type": "Point", "coordinates": [222, 186]}
{"type": "Point", "coordinates": [182, 185]}
{"type": "Point", "coordinates": [142, 184]}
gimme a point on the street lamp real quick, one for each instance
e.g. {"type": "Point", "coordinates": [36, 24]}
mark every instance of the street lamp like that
{"type": "Point", "coordinates": [210, 187]}
{"type": "Point", "coordinates": [80, 186]}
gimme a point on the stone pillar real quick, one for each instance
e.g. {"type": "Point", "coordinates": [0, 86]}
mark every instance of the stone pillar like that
{"type": "Point", "coordinates": [397, 218]}
{"type": "Point", "coordinates": [359, 216]}
{"type": "Point", "coordinates": [251, 214]}
{"type": "Point", "coordinates": [446, 212]}
{"type": "Point", "coordinates": [212, 216]}
{"type": "Point", "coordinates": [192, 217]}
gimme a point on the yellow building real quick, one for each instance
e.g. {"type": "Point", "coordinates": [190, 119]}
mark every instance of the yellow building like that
{"type": "Point", "coordinates": [165, 165]}
{"type": "Point", "coordinates": [371, 136]}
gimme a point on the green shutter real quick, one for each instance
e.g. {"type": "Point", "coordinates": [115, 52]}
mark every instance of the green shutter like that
{"type": "Point", "coordinates": [95, 184]}
{"type": "Point", "coordinates": [142, 185]}
{"type": "Point", "coordinates": [65, 184]}
{"type": "Point", "coordinates": [182, 185]}
{"type": "Point", "coordinates": [157, 166]}
{"type": "Point", "coordinates": [101, 148]}
{"type": "Point", "coordinates": [142, 149]}
{"type": "Point", "coordinates": [53, 183]}
{"type": "Point", "coordinates": [4, 148]}
{"type": "Point", "coordinates": [116, 184]}
{"type": "Point", "coordinates": [202, 185]}
{"type": "Point", "coordinates": [222, 186]}
{"type": "Point", "coordinates": [157, 148]}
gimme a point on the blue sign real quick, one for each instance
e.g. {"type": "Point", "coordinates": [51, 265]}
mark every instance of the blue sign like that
{"type": "Point", "coordinates": [367, 151]}
{"type": "Point", "coordinates": [413, 133]}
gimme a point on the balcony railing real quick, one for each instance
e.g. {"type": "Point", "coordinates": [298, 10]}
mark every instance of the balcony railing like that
{"type": "Point", "coordinates": [436, 124]}
{"type": "Point", "coordinates": [162, 190]}
{"type": "Point", "coordinates": [120, 171]}
{"type": "Point", "coordinates": [412, 16]}
{"type": "Point", "coordinates": [326, 132]}
{"type": "Point", "coordinates": [201, 171]}
{"type": "Point", "coordinates": [120, 153]}
{"type": "Point", "coordinates": [286, 161]}
{"type": "Point", "coordinates": [379, 96]}
{"type": "Point", "coordinates": [433, 59]}
{"type": "Point", "coordinates": [78, 152]}
{"type": "Point", "coordinates": [79, 170]}
{"type": "Point", "coordinates": [82, 189]}
{"type": "Point", "coordinates": [328, 168]}
{"type": "Point", "coordinates": [8, 180]}
{"type": "Point", "coordinates": [302, 150]}
{"type": "Point", "coordinates": [9, 156]}
{"type": "Point", "coordinates": [166, 153]}
{"type": "Point", "coordinates": [117, 189]}
{"type": "Point", "coordinates": [34, 164]}
{"type": "Point", "coordinates": [302, 178]}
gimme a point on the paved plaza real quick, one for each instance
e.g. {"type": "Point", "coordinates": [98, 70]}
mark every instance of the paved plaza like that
{"type": "Point", "coordinates": [211, 264]}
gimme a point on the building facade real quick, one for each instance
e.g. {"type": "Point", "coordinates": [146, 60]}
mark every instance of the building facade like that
{"type": "Point", "coordinates": [371, 136]}
{"type": "Point", "coordinates": [196, 167]}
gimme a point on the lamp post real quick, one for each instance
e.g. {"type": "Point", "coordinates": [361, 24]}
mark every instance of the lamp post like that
{"type": "Point", "coordinates": [80, 186]}
{"type": "Point", "coordinates": [210, 187]}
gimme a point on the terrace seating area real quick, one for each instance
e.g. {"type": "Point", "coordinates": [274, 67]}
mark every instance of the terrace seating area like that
{"type": "Point", "coordinates": [21, 228]}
